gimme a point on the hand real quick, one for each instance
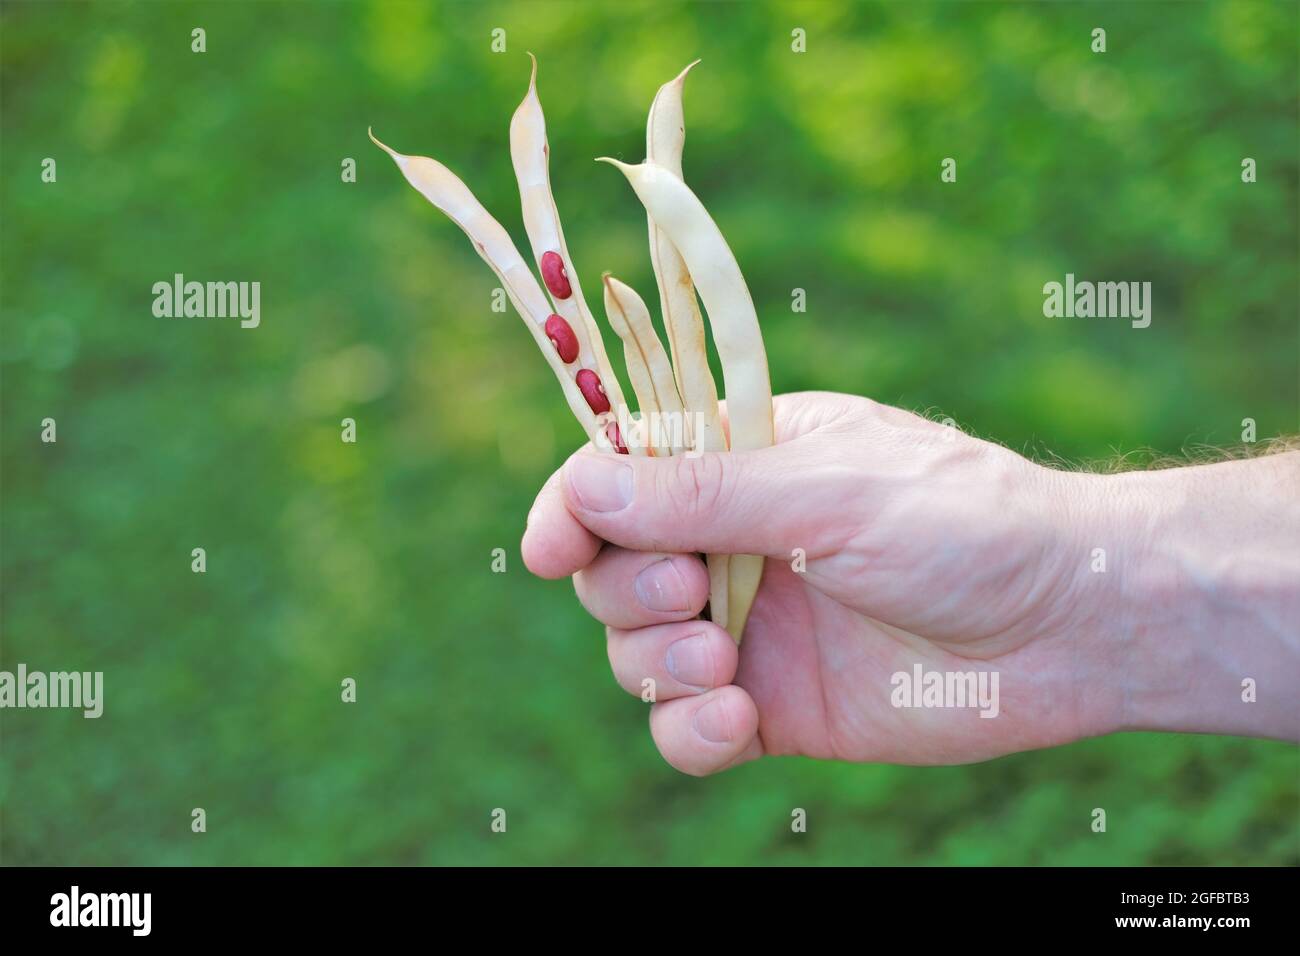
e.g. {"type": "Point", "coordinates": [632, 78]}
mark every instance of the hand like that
{"type": "Point", "coordinates": [893, 542]}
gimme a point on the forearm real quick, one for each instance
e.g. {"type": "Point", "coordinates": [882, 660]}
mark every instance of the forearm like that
{"type": "Point", "coordinates": [1198, 609]}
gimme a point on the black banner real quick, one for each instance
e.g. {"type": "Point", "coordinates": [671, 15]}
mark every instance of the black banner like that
{"type": "Point", "coordinates": [334, 905]}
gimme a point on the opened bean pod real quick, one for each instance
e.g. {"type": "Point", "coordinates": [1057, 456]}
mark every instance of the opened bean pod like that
{"type": "Point", "coordinates": [710, 262]}
{"type": "Point", "coordinates": [441, 187]}
{"type": "Point", "coordinates": [530, 155]}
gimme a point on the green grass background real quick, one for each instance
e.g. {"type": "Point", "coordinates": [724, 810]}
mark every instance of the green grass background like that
{"type": "Point", "coordinates": [325, 560]}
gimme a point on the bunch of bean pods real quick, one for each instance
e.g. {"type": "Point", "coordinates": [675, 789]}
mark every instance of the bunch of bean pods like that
{"type": "Point", "coordinates": [689, 254]}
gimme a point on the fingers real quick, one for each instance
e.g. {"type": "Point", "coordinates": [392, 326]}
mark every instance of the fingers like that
{"type": "Point", "coordinates": [756, 488]}
{"type": "Point", "coordinates": [678, 660]}
{"type": "Point", "coordinates": [702, 735]}
{"type": "Point", "coordinates": [753, 502]}
{"type": "Point", "coordinates": [629, 589]}
{"type": "Point", "coordinates": [555, 543]}
{"type": "Point", "coordinates": [701, 722]}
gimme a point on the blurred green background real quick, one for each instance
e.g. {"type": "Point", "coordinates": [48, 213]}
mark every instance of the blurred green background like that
{"type": "Point", "coordinates": [325, 560]}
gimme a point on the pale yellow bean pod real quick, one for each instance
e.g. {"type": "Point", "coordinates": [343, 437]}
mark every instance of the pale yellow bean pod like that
{"type": "Point", "coordinates": [736, 334]}
{"type": "Point", "coordinates": [530, 155]}
{"type": "Point", "coordinates": [447, 193]}
{"type": "Point", "coordinates": [665, 139]}
{"type": "Point", "coordinates": [648, 369]}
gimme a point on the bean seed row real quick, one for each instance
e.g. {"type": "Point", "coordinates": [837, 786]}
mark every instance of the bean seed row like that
{"type": "Point", "coordinates": [530, 155]}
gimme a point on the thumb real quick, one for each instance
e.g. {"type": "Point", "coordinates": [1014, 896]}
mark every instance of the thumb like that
{"type": "Point", "coordinates": [750, 502]}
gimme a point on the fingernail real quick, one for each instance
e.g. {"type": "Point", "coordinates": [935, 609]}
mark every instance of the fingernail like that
{"type": "Point", "coordinates": [660, 587]}
{"type": "Point", "coordinates": [690, 661]}
{"type": "Point", "coordinates": [601, 482]}
{"type": "Point", "coordinates": [712, 724]}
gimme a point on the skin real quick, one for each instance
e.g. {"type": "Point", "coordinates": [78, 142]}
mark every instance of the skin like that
{"type": "Point", "coordinates": [926, 545]}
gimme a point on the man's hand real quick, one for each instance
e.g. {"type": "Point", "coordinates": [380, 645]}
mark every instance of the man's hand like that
{"type": "Point", "coordinates": [895, 541]}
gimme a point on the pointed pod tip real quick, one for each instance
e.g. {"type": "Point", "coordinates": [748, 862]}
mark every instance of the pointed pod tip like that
{"type": "Point", "coordinates": [397, 157]}
{"type": "Point", "coordinates": [530, 107]}
{"type": "Point", "coordinates": [677, 81]}
{"type": "Point", "coordinates": [624, 168]}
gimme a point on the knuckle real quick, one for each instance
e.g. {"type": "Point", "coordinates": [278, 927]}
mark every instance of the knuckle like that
{"type": "Point", "coordinates": [697, 486]}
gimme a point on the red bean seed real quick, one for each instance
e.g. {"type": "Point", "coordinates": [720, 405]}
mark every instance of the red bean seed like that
{"type": "Point", "coordinates": [553, 274]}
{"type": "Point", "coordinates": [561, 335]}
{"type": "Point", "coordinates": [593, 391]}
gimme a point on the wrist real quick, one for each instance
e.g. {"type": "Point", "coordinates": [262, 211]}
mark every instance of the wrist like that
{"type": "Point", "coordinates": [1191, 594]}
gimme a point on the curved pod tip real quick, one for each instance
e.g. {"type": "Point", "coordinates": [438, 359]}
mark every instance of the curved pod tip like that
{"type": "Point", "coordinates": [398, 158]}
{"type": "Point", "coordinates": [625, 168]}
